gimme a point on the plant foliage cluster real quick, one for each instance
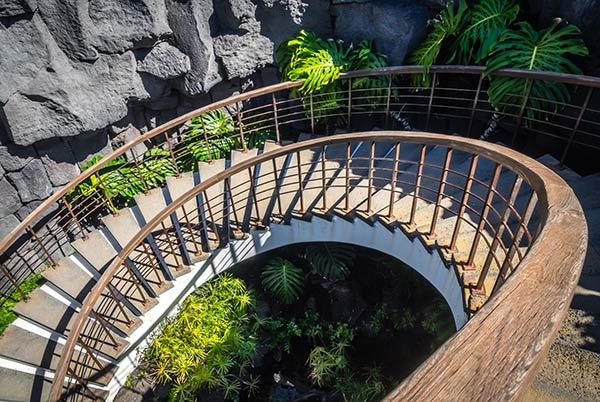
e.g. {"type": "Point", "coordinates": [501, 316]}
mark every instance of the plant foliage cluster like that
{"type": "Point", "coordinates": [485, 32]}
{"type": "Point", "coordinates": [7, 316]}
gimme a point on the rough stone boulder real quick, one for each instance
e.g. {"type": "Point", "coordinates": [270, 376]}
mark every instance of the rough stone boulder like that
{"type": "Point", "coordinates": [191, 22]}
{"type": "Point", "coordinates": [281, 19]}
{"type": "Point", "coordinates": [84, 28]}
{"type": "Point", "coordinates": [243, 55]}
{"type": "Point", "coordinates": [32, 182]}
{"type": "Point", "coordinates": [164, 61]}
{"type": "Point", "coordinates": [395, 26]}
{"type": "Point", "coordinates": [58, 160]}
{"type": "Point", "coordinates": [9, 200]}
{"type": "Point", "coordinates": [67, 103]}
{"type": "Point", "coordinates": [11, 8]}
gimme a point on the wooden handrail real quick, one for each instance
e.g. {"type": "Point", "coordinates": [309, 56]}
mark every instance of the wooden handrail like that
{"type": "Point", "coordinates": [503, 337]}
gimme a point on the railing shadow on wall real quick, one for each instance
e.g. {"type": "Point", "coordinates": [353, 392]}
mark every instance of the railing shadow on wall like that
{"type": "Point", "coordinates": [456, 103]}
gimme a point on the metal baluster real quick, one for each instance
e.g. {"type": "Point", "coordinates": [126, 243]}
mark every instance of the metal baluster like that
{"type": "Point", "coordinates": [349, 125]}
{"type": "Point", "coordinates": [484, 213]}
{"type": "Point", "coordinates": [206, 140]}
{"type": "Point", "coordinates": [347, 181]}
{"type": "Point", "coordinates": [300, 184]}
{"type": "Point", "coordinates": [120, 305]}
{"type": "Point", "coordinates": [312, 115]}
{"type": "Point", "coordinates": [576, 127]}
{"type": "Point", "coordinates": [500, 229]}
{"type": "Point", "coordinates": [241, 127]}
{"type": "Point", "coordinates": [136, 283]}
{"type": "Point", "coordinates": [252, 178]}
{"type": "Point", "coordinates": [12, 280]}
{"type": "Point", "coordinates": [394, 179]}
{"type": "Point", "coordinates": [388, 101]}
{"type": "Point", "coordinates": [418, 177]}
{"type": "Point", "coordinates": [370, 177]}
{"type": "Point", "coordinates": [212, 219]}
{"type": "Point", "coordinates": [275, 118]}
{"type": "Point", "coordinates": [77, 222]}
{"type": "Point", "coordinates": [529, 82]}
{"type": "Point", "coordinates": [232, 207]}
{"type": "Point", "coordinates": [323, 179]}
{"type": "Point", "coordinates": [148, 253]}
{"type": "Point", "coordinates": [197, 250]}
{"type": "Point", "coordinates": [463, 202]}
{"type": "Point", "coordinates": [138, 171]}
{"type": "Point", "coordinates": [433, 83]}
{"type": "Point", "coordinates": [41, 244]}
{"type": "Point", "coordinates": [89, 352]}
{"type": "Point", "coordinates": [83, 383]}
{"type": "Point", "coordinates": [277, 189]}
{"type": "Point", "coordinates": [102, 321]}
{"type": "Point", "coordinates": [440, 193]}
{"type": "Point", "coordinates": [170, 146]}
{"type": "Point", "coordinates": [475, 102]}
{"type": "Point", "coordinates": [107, 194]}
{"type": "Point", "coordinates": [171, 247]}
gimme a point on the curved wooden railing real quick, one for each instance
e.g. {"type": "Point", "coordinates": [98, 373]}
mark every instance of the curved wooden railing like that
{"type": "Point", "coordinates": [456, 103]}
{"type": "Point", "coordinates": [532, 251]}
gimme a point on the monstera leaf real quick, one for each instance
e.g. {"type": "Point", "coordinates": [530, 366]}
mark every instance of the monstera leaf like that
{"type": "Point", "coordinates": [283, 279]}
{"type": "Point", "coordinates": [331, 261]}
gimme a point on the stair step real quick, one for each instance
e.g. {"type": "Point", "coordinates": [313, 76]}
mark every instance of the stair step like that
{"type": "Point", "coordinates": [96, 250]}
{"type": "Point", "coordinates": [122, 226]}
{"type": "Point", "coordinates": [151, 203]}
{"type": "Point", "coordinates": [17, 386]}
{"type": "Point", "coordinates": [70, 278]}
{"type": "Point", "coordinates": [27, 347]}
{"type": "Point", "coordinates": [50, 313]}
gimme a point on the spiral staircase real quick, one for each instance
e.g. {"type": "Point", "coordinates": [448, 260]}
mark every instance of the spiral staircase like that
{"type": "Point", "coordinates": [492, 229]}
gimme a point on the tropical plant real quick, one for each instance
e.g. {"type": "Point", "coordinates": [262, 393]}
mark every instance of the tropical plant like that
{"type": "Point", "coordinates": [283, 279]}
{"type": "Point", "coordinates": [282, 333]}
{"type": "Point", "coordinates": [331, 260]}
{"type": "Point", "coordinates": [527, 49]}
{"type": "Point", "coordinates": [317, 61]}
{"type": "Point", "coordinates": [486, 22]}
{"type": "Point", "coordinates": [326, 363]}
{"type": "Point", "coordinates": [435, 322]}
{"type": "Point", "coordinates": [369, 387]}
{"type": "Point", "coordinates": [7, 316]}
{"type": "Point", "coordinates": [207, 341]}
{"type": "Point", "coordinates": [207, 137]}
{"type": "Point", "coordinates": [446, 27]}
{"type": "Point", "coordinates": [373, 88]}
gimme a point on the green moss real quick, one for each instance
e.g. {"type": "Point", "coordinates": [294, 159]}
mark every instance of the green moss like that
{"type": "Point", "coordinates": [7, 316]}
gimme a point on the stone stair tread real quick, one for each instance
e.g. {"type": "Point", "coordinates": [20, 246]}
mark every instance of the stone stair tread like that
{"type": "Point", "coordinates": [70, 278]}
{"type": "Point", "coordinates": [96, 250]}
{"type": "Point", "coordinates": [45, 310]}
{"type": "Point", "coordinates": [151, 203]}
{"type": "Point", "coordinates": [17, 386]}
{"type": "Point", "coordinates": [123, 226]}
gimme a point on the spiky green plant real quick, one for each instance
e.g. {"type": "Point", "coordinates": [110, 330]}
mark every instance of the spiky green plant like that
{"type": "Point", "coordinates": [331, 260]}
{"type": "Point", "coordinates": [527, 49]}
{"type": "Point", "coordinates": [446, 27]}
{"type": "Point", "coordinates": [283, 279]}
{"type": "Point", "coordinates": [366, 388]}
{"type": "Point", "coordinates": [486, 22]}
{"type": "Point", "coordinates": [326, 363]}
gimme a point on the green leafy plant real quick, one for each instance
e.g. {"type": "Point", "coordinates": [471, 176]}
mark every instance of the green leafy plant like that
{"type": "Point", "coordinates": [527, 49]}
{"type": "Point", "coordinates": [377, 321]}
{"type": "Point", "coordinates": [434, 322]}
{"type": "Point", "coordinates": [282, 333]}
{"type": "Point", "coordinates": [366, 388]}
{"type": "Point", "coordinates": [445, 29]}
{"type": "Point", "coordinates": [7, 316]}
{"type": "Point", "coordinates": [485, 24]}
{"type": "Point", "coordinates": [207, 341]}
{"type": "Point", "coordinates": [283, 279]}
{"type": "Point", "coordinates": [331, 260]}
{"type": "Point", "coordinates": [327, 362]}
{"type": "Point", "coordinates": [207, 137]}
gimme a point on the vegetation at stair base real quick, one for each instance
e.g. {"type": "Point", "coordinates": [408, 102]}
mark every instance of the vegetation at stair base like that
{"type": "Point", "coordinates": [7, 316]}
{"type": "Point", "coordinates": [272, 328]}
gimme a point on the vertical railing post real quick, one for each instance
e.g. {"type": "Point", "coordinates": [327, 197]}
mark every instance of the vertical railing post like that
{"type": "Point", "coordinates": [323, 179]}
{"type": "Point", "coordinates": [576, 126]}
{"type": "Point", "coordinates": [206, 140]}
{"type": "Point", "coordinates": [107, 193]}
{"type": "Point", "coordinates": [138, 171]}
{"type": "Point", "coordinates": [429, 106]}
{"type": "Point", "coordinates": [347, 181]}
{"type": "Point", "coordinates": [11, 279]}
{"type": "Point", "coordinates": [241, 127]}
{"type": "Point", "coordinates": [173, 159]}
{"type": "Point", "coordinates": [394, 179]}
{"type": "Point", "coordinates": [35, 237]}
{"type": "Point", "coordinates": [463, 202]}
{"type": "Point", "coordinates": [275, 117]}
{"type": "Point", "coordinates": [312, 115]}
{"type": "Point", "coordinates": [474, 106]}
{"type": "Point", "coordinates": [370, 177]}
{"type": "Point", "coordinates": [529, 84]}
{"type": "Point", "coordinates": [277, 189]}
{"type": "Point", "coordinates": [74, 217]}
{"type": "Point", "coordinates": [388, 101]}
{"type": "Point", "coordinates": [349, 125]}
{"type": "Point", "coordinates": [489, 198]}
{"type": "Point", "coordinates": [300, 184]}
{"type": "Point", "coordinates": [418, 177]}
{"type": "Point", "coordinates": [440, 193]}
{"type": "Point", "coordinates": [211, 216]}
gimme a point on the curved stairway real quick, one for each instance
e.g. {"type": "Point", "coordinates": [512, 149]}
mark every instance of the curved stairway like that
{"type": "Point", "coordinates": [30, 347]}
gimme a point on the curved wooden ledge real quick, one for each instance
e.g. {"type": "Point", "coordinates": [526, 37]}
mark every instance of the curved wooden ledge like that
{"type": "Point", "coordinates": [495, 356]}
